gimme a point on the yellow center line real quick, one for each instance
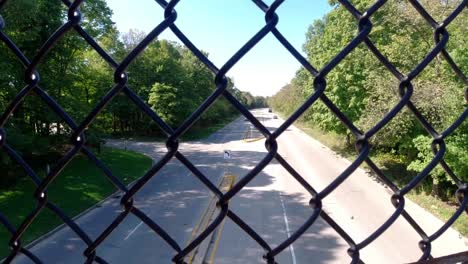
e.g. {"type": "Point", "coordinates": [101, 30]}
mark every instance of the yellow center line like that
{"type": "Point", "coordinates": [225, 185]}
{"type": "Point", "coordinates": [246, 138]}
{"type": "Point", "coordinates": [231, 179]}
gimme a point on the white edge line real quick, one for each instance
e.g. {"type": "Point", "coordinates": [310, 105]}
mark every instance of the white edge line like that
{"type": "Point", "coordinates": [291, 247]}
{"type": "Point", "coordinates": [133, 231]}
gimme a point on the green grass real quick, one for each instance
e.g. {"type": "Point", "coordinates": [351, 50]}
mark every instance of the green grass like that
{"type": "Point", "coordinates": [441, 209]}
{"type": "Point", "coordinates": [394, 168]}
{"type": "Point", "coordinates": [197, 133]}
{"type": "Point", "coordinates": [335, 142]}
{"type": "Point", "coordinates": [79, 186]}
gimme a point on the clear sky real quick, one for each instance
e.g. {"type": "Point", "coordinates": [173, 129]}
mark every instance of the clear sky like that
{"type": "Point", "coordinates": [221, 27]}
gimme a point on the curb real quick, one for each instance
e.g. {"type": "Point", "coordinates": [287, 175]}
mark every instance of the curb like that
{"type": "Point", "coordinates": [75, 218]}
{"type": "Point", "coordinates": [248, 140]}
{"type": "Point", "coordinates": [370, 174]}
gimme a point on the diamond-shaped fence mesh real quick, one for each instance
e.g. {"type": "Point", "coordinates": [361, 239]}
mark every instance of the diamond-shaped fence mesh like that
{"type": "Point", "coordinates": [77, 140]}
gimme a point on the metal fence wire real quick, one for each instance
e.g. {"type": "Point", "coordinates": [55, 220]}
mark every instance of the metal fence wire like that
{"type": "Point", "coordinates": [77, 140]}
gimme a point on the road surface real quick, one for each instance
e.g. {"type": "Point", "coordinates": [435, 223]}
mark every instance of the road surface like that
{"type": "Point", "coordinates": [273, 204]}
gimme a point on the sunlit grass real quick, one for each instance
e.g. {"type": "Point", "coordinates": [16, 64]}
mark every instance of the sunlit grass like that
{"type": "Point", "coordinates": [79, 186]}
{"type": "Point", "coordinates": [441, 209]}
{"type": "Point", "coordinates": [392, 165]}
{"type": "Point", "coordinates": [197, 133]}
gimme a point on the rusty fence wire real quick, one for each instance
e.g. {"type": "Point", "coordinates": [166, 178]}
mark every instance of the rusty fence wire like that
{"type": "Point", "coordinates": [77, 139]}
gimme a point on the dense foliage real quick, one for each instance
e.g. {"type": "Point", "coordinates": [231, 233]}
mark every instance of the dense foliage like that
{"type": "Point", "coordinates": [166, 76]}
{"type": "Point", "coordinates": [365, 91]}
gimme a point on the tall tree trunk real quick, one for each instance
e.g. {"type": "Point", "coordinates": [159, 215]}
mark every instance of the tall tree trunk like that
{"type": "Point", "coordinates": [436, 190]}
{"type": "Point", "coordinates": [59, 128]}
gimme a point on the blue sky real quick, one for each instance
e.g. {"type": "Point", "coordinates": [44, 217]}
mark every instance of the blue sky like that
{"type": "Point", "coordinates": [221, 27]}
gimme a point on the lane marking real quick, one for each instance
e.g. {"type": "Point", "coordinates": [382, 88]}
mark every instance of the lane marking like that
{"type": "Point", "coordinates": [133, 231]}
{"type": "Point", "coordinates": [288, 232]}
{"type": "Point", "coordinates": [141, 222]}
{"type": "Point", "coordinates": [231, 179]}
{"type": "Point", "coordinates": [207, 216]}
{"type": "Point", "coordinates": [248, 135]}
{"type": "Point", "coordinates": [216, 243]}
{"type": "Point", "coordinates": [248, 140]}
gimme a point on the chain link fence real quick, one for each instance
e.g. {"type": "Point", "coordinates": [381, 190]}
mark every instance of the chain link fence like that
{"type": "Point", "coordinates": [77, 140]}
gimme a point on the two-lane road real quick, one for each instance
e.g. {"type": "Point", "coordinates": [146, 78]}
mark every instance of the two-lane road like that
{"type": "Point", "coordinates": [359, 205]}
{"type": "Point", "coordinates": [174, 199]}
{"type": "Point", "coordinates": [273, 204]}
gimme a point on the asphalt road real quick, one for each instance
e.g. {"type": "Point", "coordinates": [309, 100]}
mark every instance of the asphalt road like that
{"type": "Point", "coordinates": [273, 204]}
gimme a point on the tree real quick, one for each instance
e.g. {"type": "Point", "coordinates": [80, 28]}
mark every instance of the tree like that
{"type": "Point", "coordinates": [36, 132]}
{"type": "Point", "coordinates": [364, 90]}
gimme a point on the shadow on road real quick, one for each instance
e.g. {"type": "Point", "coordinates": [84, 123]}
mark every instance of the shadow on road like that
{"type": "Point", "coordinates": [260, 205]}
{"type": "Point", "coordinates": [175, 199]}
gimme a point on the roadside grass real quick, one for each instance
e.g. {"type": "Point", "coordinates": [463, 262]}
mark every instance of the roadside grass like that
{"type": "Point", "coordinates": [441, 209]}
{"type": "Point", "coordinates": [138, 138]}
{"type": "Point", "coordinates": [79, 186]}
{"type": "Point", "coordinates": [197, 132]}
{"type": "Point", "coordinates": [394, 168]}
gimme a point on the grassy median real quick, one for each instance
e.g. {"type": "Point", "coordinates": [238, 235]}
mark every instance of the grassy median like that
{"type": "Point", "coordinates": [79, 186]}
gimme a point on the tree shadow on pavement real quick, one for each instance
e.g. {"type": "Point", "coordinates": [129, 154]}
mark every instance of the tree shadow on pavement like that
{"type": "Point", "coordinates": [175, 199]}
{"type": "Point", "coordinates": [270, 211]}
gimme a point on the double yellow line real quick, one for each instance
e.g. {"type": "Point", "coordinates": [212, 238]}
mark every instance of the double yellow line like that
{"type": "Point", "coordinates": [246, 138]}
{"type": "Point", "coordinates": [225, 185]}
